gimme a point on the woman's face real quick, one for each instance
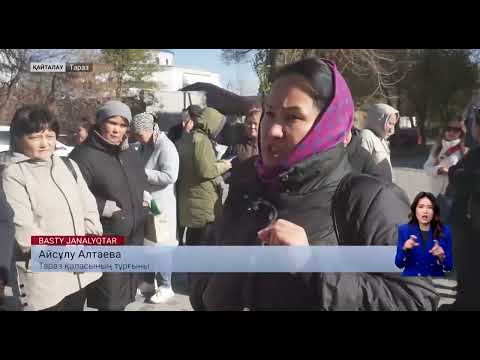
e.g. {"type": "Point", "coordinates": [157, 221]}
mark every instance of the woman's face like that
{"type": "Point", "coordinates": [453, 131]}
{"type": "Point", "coordinates": [81, 134]}
{"type": "Point", "coordinates": [188, 125]}
{"type": "Point", "coordinates": [251, 123]}
{"type": "Point", "coordinates": [39, 145]}
{"type": "Point", "coordinates": [290, 112]}
{"type": "Point", "coordinates": [115, 129]}
{"type": "Point", "coordinates": [390, 125]}
{"type": "Point", "coordinates": [424, 211]}
{"type": "Point", "coordinates": [144, 137]}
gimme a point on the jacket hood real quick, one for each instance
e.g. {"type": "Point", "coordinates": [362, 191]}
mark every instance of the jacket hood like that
{"type": "Point", "coordinates": [12, 157]}
{"type": "Point", "coordinates": [211, 122]}
{"type": "Point", "coordinates": [377, 117]}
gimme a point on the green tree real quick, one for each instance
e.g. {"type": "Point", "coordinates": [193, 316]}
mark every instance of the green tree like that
{"type": "Point", "coordinates": [130, 67]}
{"type": "Point", "coordinates": [432, 84]}
{"type": "Point", "coordinates": [439, 85]}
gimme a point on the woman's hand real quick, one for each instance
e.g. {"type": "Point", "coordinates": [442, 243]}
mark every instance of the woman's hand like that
{"type": "Point", "coordinates": [437, 251]}
{"type": "Point", "coordinates": [283, 232]}
{"type": "Point", "coordinates": [442, 170]}
{"type": "Point", "coordinates": [228, 162]}
{"type": "Point", "coordinates": [410, 243]}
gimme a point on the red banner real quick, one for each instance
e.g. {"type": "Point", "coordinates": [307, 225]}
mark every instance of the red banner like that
{"type": "Point", "coordinates": [63, 240]}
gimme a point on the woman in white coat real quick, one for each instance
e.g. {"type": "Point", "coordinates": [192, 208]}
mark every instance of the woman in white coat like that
{"type": "Point", "coordinates": [161, 167]}
{"type": "Point", "coordinates": [379, 126]}
{"type": "Point", "coordinates": [48, 196]}
{"type": "Point", "coordinates": [447, 151]}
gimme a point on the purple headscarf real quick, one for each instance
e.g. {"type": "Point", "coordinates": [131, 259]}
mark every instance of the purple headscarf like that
{"type": "Point", "coordinates": [328, 130]}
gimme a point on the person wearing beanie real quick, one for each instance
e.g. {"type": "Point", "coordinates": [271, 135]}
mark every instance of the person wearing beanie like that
{"type": "Point", "coordinates": [116, 176]}
{"type": "Point", "coordinates": [160, 158]}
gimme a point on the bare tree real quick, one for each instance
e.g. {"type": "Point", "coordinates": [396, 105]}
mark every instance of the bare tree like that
{"type": "Point", "coordinates": [386, 67]}
{"type": "Point", "coordinates": [15, 64]}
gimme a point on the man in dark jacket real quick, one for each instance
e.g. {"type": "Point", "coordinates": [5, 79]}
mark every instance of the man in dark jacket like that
{"type": "Point", "coordinates": [464, 181]}
{"type": "Point", "coordinates": [115, 174]}
{"type": "Point", "coordinates": [362, 161]}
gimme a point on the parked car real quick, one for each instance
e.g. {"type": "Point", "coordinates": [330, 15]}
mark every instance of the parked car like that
{"type": "Point", "coordinates": [4, 138]}
{"type": "Point", "coordinates": [61, 149]}
{"type": "Point", "coordinates": [405, 137]}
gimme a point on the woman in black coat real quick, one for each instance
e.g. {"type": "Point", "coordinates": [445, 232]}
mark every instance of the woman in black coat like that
{"type": "Point", "coordinates": [115, 174]}
{"type": "Point", "coordinates": [285, 198]}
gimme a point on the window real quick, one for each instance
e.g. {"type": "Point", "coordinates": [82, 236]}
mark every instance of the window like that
{"type": "Point", "coordinates": [4, 138]}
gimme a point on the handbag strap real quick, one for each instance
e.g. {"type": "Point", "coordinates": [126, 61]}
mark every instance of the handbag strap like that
{"type": "Point", "coordinates": [70, 167]}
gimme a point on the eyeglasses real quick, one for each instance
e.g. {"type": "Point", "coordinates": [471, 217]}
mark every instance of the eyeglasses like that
{"type": "Point", "coordinates": [453, 129]}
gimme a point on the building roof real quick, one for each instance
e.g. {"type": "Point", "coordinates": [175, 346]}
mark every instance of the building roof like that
{"type": "Point", "coordinates": [227, 102]}
{"type": "Point", "coordinates": [165, 50]}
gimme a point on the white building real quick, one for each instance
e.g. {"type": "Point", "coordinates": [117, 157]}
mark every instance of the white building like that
{"type": "Point", "coordinates": [173, 78]}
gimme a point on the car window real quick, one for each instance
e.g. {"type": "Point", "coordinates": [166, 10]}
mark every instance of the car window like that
{"type": "Point", "coordinates": [4, 138]}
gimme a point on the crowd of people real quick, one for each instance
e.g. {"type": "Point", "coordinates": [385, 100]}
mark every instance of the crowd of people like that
{"type": "Point", "coordinates": [315, 180]}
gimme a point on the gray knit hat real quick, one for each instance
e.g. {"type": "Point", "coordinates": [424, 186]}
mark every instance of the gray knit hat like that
{"type": "Point", "coordinates": [142, 122]}
{"type": "Point", "coordinates": [113, 108]}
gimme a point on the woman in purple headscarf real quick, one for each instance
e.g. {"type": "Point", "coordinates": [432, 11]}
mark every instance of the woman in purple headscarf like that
{"type": "Point", "coordinates": [301, 191]}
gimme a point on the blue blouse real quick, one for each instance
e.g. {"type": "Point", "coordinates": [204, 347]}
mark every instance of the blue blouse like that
{"type": "Point", "coordinates": [418, 261]}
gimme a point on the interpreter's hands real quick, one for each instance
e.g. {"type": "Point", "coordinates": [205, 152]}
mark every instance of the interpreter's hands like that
{"type": "Point", "coordinates": [437, 251]}
{"type": "Point", "coordinates": [283, 232]}
{"type": "Point", "coordinates": [410, 243]}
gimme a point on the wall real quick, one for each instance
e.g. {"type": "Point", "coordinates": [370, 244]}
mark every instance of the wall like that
{"type": "Point", "coordinates": [173, 78]}
{"type": "Point", "coordinates": [168, 105]}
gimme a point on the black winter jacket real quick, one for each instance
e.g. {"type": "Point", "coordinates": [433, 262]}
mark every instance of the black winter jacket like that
{"type": "Point", "coordinates": [116, 175]}
{"type": "Point", "coordinates": [362, 161]}
{"type": "Point", "coordinates": [368, 212]}
{"type": "Point", "coordinates": [112, 174]}
{"type": "Point", "coordinates": [464, 179]}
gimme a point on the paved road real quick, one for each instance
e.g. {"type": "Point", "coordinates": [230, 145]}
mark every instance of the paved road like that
{"type": "Point", "coordinates": [410, 177]}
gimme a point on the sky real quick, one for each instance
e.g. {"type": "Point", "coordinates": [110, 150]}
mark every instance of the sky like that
{"type": "Point", "coordinates": [240, 78]}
